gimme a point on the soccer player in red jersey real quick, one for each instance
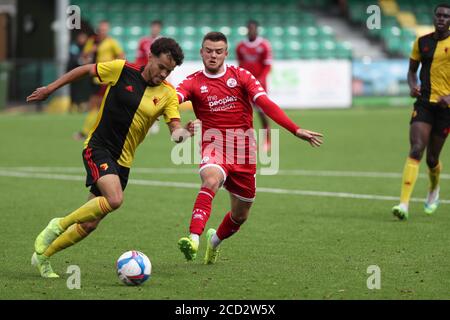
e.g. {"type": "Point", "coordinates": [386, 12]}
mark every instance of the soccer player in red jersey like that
{"type": "Point", "coordinates": [221, 96]}
{"type": "Point", "coordinates": [145, 43]}
{"type": "Point", "coordinates": [255, 55]}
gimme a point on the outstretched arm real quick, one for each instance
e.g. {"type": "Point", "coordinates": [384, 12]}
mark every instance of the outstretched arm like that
{"type": "Point", "coordinates": [273, 111]}
{"type": "Point", "coordinates": [43, 92]}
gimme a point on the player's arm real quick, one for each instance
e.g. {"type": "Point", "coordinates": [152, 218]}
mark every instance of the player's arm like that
{"type": "Point", "coordinates": [273, 111]}
{"type": "Point", "coordinates": [42, 93]}
{"type": "Point", "coordinates": [414, 88]}
{"type": "Point", "coordinates": [414, 61]}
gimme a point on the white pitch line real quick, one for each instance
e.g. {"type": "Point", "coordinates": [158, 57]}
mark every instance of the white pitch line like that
{"type": "Point", "coordinates": [187, 185]}
{"type": "Point", "coordinates": [311, 173]}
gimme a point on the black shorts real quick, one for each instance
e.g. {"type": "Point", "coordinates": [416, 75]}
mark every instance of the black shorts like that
{"type": "Point", "coordinates": [434, 114]}
{"type": "Point", "coordinates": [99, 163]}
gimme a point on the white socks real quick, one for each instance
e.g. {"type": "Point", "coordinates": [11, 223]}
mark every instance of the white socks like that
{"type": "Point", "coordinates": [433, 195]}
{"type": "Point", "coordinates": [215, 241]}
{"type": "Point", "coordinates": [195, 237]}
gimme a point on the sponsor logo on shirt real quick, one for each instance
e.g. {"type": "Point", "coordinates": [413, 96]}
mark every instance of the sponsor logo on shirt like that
{"type": "Point", "coordinates": [223, 104]}
{"type": "Point", "coordinates": [203, 89]}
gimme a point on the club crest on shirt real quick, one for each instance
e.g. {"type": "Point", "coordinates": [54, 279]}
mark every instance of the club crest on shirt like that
{"type": "Point", "coordinates": [155, 100]}
{"type": "Point", "coordinates": [231, 83]}
{"type": "Point", "coordinates": [104, 166]}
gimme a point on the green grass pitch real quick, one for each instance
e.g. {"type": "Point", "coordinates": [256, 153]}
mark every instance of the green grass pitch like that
{"type": "Point", "coordinates": [294, 246]}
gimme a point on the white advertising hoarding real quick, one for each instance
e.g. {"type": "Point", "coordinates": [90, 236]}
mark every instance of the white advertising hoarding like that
{"type": "Point", "coordinates": [298, 83]}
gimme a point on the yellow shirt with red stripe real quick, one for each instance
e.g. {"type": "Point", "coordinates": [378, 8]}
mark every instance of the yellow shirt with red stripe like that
{"type": "Point", "coordinates": [434, 56]}
{"type": "Point", "coordinates": [128, 109]}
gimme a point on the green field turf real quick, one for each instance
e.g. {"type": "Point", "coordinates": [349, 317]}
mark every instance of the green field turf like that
{"type": "Point", "coordinates": [294, 246]}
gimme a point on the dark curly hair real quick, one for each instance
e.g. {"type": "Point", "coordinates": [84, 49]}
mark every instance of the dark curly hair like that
{"type": "Point", "coordinates": [168, 46]}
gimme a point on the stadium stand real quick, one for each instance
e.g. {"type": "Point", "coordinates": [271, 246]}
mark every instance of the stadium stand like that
{"type": "Point", "coordinates": [289, 24]}
{"type": "Point", "coordinates": [402, 21]}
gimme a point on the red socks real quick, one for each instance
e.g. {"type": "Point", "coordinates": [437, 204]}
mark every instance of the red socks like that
{"type": "Point", "coordinates": [201, 211]}
{"type": "Point", "coordinates": [227, 228]}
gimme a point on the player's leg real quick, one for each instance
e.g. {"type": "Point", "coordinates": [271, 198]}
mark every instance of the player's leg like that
{"type": "Point", "coordinates": [240, 210]}
{"type": "Point", "coordinates": [62, 233]}
{"type": "Point", "coordinates": [74, 234]}
{"type": "Point", "coordinates": [78, 231]}
{"type": "Point", "coordinates": [94, 209]}
{"type": "Point", "coordinates": [419, 138]}
{"type": "Point", "coordinates": [212, 177]}
{"type": "Point", "coordinates": [434, 149]}
{"type": "Point", "coordinates": [103, 177]}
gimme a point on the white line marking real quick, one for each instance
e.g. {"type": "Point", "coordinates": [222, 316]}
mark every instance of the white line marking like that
{"type": "Point", "coordinates": [187, 185]}
{"type": "Point", "coordinates": [312, 173]}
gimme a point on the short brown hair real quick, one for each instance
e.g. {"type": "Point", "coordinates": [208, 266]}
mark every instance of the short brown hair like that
{"type": "Point", "coordinates": [215, 37]}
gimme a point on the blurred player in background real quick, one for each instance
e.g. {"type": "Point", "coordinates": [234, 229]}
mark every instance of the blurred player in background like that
{"type": "Point", "coordinates": [143, 51]}
{"type": "Point", "coordinates": [255, 55]}
{"type": "Point", "coordinates": [99, 48]}
{"type": "Point", "coordinates": [79, 91]}
{"type": "Point", "coordinates": [122, 125]}
{"type": "Point", "coordinates": [221, 96]}
{"type": "Point", "coordinates": [430, 121]}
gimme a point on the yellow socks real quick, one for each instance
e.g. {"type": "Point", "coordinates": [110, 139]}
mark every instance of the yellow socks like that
{"type": "Point", "coordinates": [75, 233]}
{"type": "Point", "coordinates": [433, 174]}
{"type": "Point", "coordinates": [91, 210]}
{"type": "Point", "coordinates": [89, 122]}
{"type": "Point", "coordinates": [410, 173]}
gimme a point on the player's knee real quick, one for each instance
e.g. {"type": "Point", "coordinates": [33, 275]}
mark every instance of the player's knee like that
{"type": "Point", "coordinates": [90, 226]}
{"type": "Point", "coordinates": [212, 183]}
{"type": "Point", "coordinates": [416, 152]}
{"type": "Point", "coordinates": [432, 161]}
{"type": "Point", "coordinates": [115, 201]}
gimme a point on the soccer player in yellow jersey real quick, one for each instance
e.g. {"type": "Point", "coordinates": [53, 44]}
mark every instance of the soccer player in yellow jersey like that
{"type": "Point", "coordinates": [134, 98]}
{"type": "Point", "coordinates": [99, 48]}
{"type": "Point", "coordinates": [430, 121]}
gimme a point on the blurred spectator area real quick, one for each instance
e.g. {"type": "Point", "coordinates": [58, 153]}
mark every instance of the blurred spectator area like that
{"type": "Point", "coordinates": [402, 21]}
{"type": "Point", "coordinates": [290, 25]}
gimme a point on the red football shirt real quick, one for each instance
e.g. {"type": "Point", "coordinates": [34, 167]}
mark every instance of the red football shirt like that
{"type": "Point", "coordinates": [256, 57]}
{"type": "Point", "coordinates": [222, 101]}
{"type": "Point", "coordinates": [143, 50]}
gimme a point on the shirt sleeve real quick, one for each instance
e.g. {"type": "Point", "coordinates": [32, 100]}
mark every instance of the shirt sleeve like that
{"type": "Point", "coordinates": [274, 112]}
{"type": "Point", "coordinates": [171, 108]}
{"type": "Point", "coordinates": [109, 72]}
{"type": "Point", "coordinates": [184, 89]}
{"type": "Point", "coordinates": [251, 84]}
{"type": "Point", "coordinates": [415, 53]}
